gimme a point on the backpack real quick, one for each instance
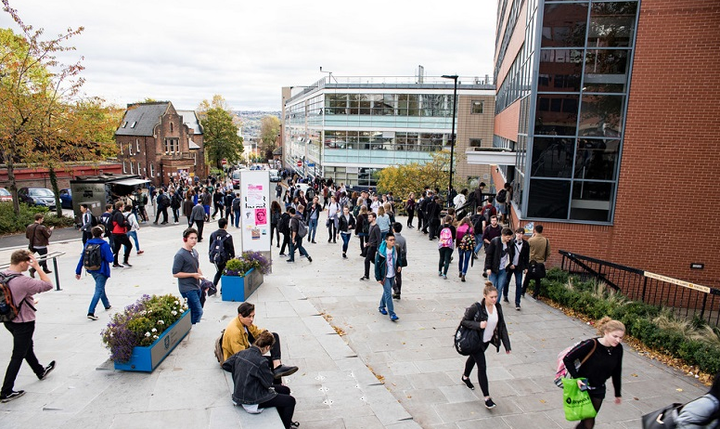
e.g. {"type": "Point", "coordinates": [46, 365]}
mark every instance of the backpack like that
{"type": "Point", "coordinates": [219, 355]}
{"type": "Point", "coordinates": [477, 222]}
{"type": "Point", "coordinates": [501, 196]}
{"type": "Point", "coordinates": [8, 310]}
{"type": "Point", "coordinates": [562, 371]}
{"type": "Point", "coordinates": [487, 213]}
{"type": "Point", "coordinates": [218, 254]}
{"type": "Point", "coordinates": [446, 239]}
{"type": "Point", "coordinates": [93, 220]}
{"type": "Point", "coordinates": [467, 242]}
{"type": "Point", "coordinates": [302, 228]}
{"type": "Point", "coordinates": [468, 341]}
{"type": "Point", "coordinates": [92, 257]}
{"type": "Point", "coordinates": [107, 223]}
{"type": "Point", "coordinates": [283, 223]}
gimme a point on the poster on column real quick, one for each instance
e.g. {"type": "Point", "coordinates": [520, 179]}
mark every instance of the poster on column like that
{"type": "Point", "coordinates": [255, 210]}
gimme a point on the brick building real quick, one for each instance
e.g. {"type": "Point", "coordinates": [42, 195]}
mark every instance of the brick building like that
{"type": "Point", "coordinates": [159, 142]}
{"type": "Point", "coordinates": [611, 112]}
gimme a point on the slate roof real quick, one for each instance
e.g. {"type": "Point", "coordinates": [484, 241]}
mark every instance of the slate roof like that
{"type": "Point", "coordinates": [191, 120]}
{"type": "Point", "coordinates": [144, 116]}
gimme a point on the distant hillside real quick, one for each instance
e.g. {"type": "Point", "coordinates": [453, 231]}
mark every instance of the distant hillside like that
{"type": "Point", "coordinates": [251, 122]}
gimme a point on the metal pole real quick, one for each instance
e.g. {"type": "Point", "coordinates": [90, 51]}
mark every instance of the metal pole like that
{"type": "Point", "coordinates": [452, 132]}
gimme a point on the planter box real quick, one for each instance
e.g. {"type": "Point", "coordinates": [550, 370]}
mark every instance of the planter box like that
{"type": "Point", "coordinates": [236, 288]}
{"type": "Point", "coordinates": [146, 359]}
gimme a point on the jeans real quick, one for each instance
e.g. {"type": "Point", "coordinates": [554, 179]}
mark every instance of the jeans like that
{"type": "Point", "coordinates": [383, 234]}
{"type": "Point", "coordinates": [297, 245]}
{"type": "Point", "coordinates": [193, 301]}
{"type": "Point", "coordinates": [133, 235]}
{"type": "Point", "coordinates": [498, 280]}
{"type": "Point", "coordinates": [176, 214]}
{"type": "Point", "coordinates": [445, 255]}
{"type": "Point", "coordinates": [518, 285]}
{"type": "Point", "coordinates": [312, 229]}
{"type": "Point", "coordinates": [346, 241]}
{"type": "Point", "coordinates": [237, 219]}
{"type": "Point", "coordinates": [479, 241]}
{"type": "Point", "coordinates": [100, 281]}
{"type": "Point", "coordinates": [22, 349]}
{"type": "Point", "coordinates": [386, 299]}
{"type": "Point", "coordinates": [464, 262]}
{"type": "Point", "coordinates": [284, 403]}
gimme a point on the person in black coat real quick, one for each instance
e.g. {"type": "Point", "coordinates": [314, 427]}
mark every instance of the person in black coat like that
{"type": "Point", "coordinates": [518, 266]}
{"type": "Point", "coordinates": [487, 318]}
{"type": "Point", "coordinates": [432, 215]}
{"type": "Point", "coordinates": [498, 256]}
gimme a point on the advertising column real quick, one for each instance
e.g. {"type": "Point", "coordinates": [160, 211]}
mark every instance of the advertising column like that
{"type": "Point", "coordinates": [255, 215]}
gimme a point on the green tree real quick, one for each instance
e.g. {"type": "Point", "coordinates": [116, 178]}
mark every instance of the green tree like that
{"type": "Point", "coordinates": [34, 90]}
{"type": "Point", "coordinates": [269, 131]}
{"type": "Point", "coordinates": [221, 137]}
{"type": "Point", "coordinates": [403, 179]}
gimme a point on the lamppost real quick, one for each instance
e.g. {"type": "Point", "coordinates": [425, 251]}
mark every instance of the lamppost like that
{"type": "Point", "coordinates": [454, 77]}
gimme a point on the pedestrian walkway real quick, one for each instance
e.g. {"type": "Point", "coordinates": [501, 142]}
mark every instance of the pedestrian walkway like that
{"type": "Point", "coordinates": [378, 374]}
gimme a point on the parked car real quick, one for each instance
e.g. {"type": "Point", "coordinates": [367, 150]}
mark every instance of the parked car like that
{"type": "Point", "coordinates": [66, 198]}
{"type": "Point", "coordinates": [37, 197]}
{"type": "Point", "coordinates": [5, 195]}
{"type": "Point", "coordinates": [274, 176]}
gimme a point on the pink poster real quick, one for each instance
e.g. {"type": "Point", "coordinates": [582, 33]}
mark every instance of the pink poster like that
{"type": "Point", "coordinates": [260, 217]}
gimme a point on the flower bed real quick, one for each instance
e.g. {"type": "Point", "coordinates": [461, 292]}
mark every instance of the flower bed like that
{"type": "Point", "coordinates": [141, 324]}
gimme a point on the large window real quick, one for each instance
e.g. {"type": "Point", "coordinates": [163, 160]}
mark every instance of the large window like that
{"type": "Point", "coordinates": [427, 105]}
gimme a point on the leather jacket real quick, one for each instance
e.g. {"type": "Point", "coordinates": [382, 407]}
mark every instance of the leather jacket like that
{"type": "Point", "coordinates": [499, 335]}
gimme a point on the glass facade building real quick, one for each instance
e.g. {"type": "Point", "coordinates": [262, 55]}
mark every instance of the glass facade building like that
{"type": "Point", "coordinates": [349, 128]}
{"type": "Point", "coordinates": [569, 85]}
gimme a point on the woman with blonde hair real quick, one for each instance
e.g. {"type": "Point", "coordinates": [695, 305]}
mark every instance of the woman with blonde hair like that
{"type": "Point", "coordinates": [485, 316]}
{"type": "Point", "coordinates": [602, 359]}
{"type": "Point", "coordinates": [383, 222]}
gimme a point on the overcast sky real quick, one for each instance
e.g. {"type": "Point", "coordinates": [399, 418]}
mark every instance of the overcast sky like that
{"type": "Point", "coordinates": [246, 50]}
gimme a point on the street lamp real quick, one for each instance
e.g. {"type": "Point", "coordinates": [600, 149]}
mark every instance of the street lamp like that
{"type": "Point", "coordinates": [454, 77]}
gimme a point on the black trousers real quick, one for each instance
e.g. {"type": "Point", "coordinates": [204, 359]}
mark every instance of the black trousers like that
{"type": "Point", "coordinates": [22, 349]}
{"type": "Point", "coordinates": [538, 284]}
{"type": "Point", "coordinates": [434, 227]}
{"type": "Point", "coordinates": [369, 257]}
{"type": "Point", "coordinates": [397, 286]}
{"type": "Point", "coordinates": [411, 215]}
{"type": "Point", "coordinates": [274, 231]}
{"type": "Point", "coordinates": [286, 242]}
{"type": "Point", "coordinates": [218, 273]}
{"type": "Point", "coordinates": [164, 214]}
{"type": "Point", "coordinates": [421, 221]}
{"type": "Point", "coordinates": [120, 240]}
{"type": "Point", "coordinates": [479, 360]}
{"type": "Point", "coordinates": [284, 403]}
{"type": "Point", "coordinates": [42, 251]}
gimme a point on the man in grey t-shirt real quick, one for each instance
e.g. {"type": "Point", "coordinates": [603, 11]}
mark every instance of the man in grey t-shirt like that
{"type": "Point", "coordinates": [186, 268]}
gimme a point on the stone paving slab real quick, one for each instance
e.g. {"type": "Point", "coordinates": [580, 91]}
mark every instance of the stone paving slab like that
{"type": "Point", "coordinates": [378, 375]}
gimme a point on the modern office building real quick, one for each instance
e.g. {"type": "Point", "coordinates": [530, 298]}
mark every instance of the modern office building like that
{"type": "Point", "coordinates": [609, 114]}
{"type": "Point", "coordinates": [347, 128]}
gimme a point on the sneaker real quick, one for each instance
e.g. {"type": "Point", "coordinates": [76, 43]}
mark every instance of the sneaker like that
{"type": "Point", "coordinates": [382, 311]}
{"type": "Point", "coordinates": [396, 296]}
{"type": "Point", "coordinates": [117, 266]}
{"type": "Point", "coordinates": [309, 258]}
{"type": "Point", "coordinates": [127, 265]}
{"type": "Point", "coordinates": [175, 223]}
{"type": "Point", "coordinates": [140, 252]}
{"type": "Point", "coordinates": [394, 318]}
{"type": "Point", "coordinates": [290, 260]}
{"type": "Point", "coordinates": [439, 273]}
{"type": "Point", "coordinates": [47, 271]}
{"type": "Point", "coordinates": [344, 256]}
{"type": "Point", "coordinates": [12, 395]}
{"type": "Point", "coordinates": [282, 254]}
{"type": "Point", "coordinates": [506, 300]}
{"type": "Point", "coordinates": [462, 279]}
{"type": "Point", "coordinates": [92, 317]}
{"type": "Point", "coordinates": [108, 307]}
{"type": "Point", "coordinates": [284, 371]}
{"type": "Point", "coordinates": [517, 307]}
{"type": "Point", "coordinates": [48, 369]}
{"type": "Point", "coordinates": [363, 278]}
{"type": "Point", "coordinates": [489, 404]}
{"type": "Point", "coordinates": [445, 276]}
{"type": "Point", "coordinates": [467, 382]}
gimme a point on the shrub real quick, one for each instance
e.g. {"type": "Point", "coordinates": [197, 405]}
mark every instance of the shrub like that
{"type": "Point", "coordinates": [10, 223]}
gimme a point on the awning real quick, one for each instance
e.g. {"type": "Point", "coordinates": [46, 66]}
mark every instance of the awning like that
{"type": "Point", "coordinates": [131, 182]}
{"type": "Point", "coordinates": [490, 156]}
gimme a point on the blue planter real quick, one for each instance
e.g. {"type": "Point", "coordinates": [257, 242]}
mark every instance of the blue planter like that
{"type": "Point", "coordinates": [238, 289]}
{"type": "Point", "coordinates": [146, 359]}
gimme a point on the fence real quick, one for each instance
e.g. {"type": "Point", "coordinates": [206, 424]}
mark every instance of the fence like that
{"type": "Point", "coordinates": [686, 299]}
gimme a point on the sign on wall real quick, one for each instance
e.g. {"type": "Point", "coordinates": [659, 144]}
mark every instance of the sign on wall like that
{"type": "Point", "coordinates": [255, 216]}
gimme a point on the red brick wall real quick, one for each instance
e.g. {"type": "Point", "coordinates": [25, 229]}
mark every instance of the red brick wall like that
{"type": "Point", "coordinates": [668, 202]}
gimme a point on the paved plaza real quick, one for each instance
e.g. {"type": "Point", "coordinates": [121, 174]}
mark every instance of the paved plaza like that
{"type": "Point", "coordinates": [378, 374]}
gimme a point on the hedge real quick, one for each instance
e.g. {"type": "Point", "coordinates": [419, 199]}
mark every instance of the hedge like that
{"type": "Point", "coordinates": [10, 223]}
{"type": "Point", "coordinates": [637, 316]}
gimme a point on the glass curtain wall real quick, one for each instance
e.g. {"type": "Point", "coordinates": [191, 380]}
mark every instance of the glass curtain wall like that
{"type": "Point", "coordinates": [577, 131]}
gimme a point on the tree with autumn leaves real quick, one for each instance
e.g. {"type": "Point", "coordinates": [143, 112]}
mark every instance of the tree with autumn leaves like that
{"type": "Point", "coordinates": [220, 127]}
{"type": "Point", "coordinates": [44, 122]}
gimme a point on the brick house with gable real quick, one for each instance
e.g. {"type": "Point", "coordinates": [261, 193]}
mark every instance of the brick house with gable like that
{"type": "Point", "coordinates": [158, 142]}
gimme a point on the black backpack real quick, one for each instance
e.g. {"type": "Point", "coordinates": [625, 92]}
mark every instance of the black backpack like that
{"type": "Point", "coordinates": [8, 310]}
{"type": "Point", "coordinates": [284, 223]}
{"type": "Point", "coordinates": [92, 257]}
{"type": "Point", "coordinates": [487, 212]}
{"type": "Point", "coordinates": [218, 254]}
{"type": "Point", "coordinates": [501, 196]}
{"type": "Point", "coordinates": [107, 223]}
{"type": "Point", "coordinates": [93, 220]}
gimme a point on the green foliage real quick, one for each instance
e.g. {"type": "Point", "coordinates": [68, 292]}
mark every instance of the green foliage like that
{"type": "Point", "coordinates": [221, 137]}
{"type": "Point", "coordinates": [10, 223]}
{"type": "Point", "coordinates": [657, 328]}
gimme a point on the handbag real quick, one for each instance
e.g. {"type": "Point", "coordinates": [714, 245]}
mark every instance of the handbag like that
{"type": "Point", "coordinates": [467, 340]}
{"type": "Point", "coordinates": [663, 418]}
{"type": "Point", "coordinates": [576, 402]}
{"type": "Point", "coordinates": [536, 270]}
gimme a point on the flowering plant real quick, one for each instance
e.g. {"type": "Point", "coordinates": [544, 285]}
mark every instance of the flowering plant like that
{"type": "Point", "coordinates": [141, 324]}
{"type": "Point", "coordinates": [248, 260]}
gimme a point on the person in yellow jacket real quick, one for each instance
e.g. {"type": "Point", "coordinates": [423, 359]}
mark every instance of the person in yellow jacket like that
{"type": "Point", "coordinates": [241, 333]}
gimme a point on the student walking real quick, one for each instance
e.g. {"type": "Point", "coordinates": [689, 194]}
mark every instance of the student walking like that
{"type": "Point", "coordinates": [275, 214]}
{"type": "Point", "coordinates": [39, 238]}
{"type": "Point", "coordinates": [446, 242]}
{"type": "Point", "coordinates": [465, 239]}
{"type": "Point", "coordinates": [295, 238]}
{"type": "Point", "coordinates": [599, 365]}
{"type": "Point", "coordinates": [95, 247]}
{"type": "Point", "coordinates": [134, 226]}
{"type": "Point", "coordinates": [362, 228]}
{"type": "Point", "coordinates": [186, 268]}
{"type": "Point", "coordinates": [386, 266]}
{"type": "Point", "coordinates": [371, 245]}
{"type": "Point", "coordinates": [347, 224]}
{"type": "Point", "coordinates": [401, 244]}
{"type": "Point", "coordinates": [410, 209]}
{"type": "Point", "coordinates": [487, 317]}
{"type": "Point", "coordinates": [498, 256]}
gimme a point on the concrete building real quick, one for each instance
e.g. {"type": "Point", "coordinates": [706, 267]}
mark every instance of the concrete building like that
{"type": "Point", "coordinates": [159, 142]}
{"type": "Point", "coordinates": [608, 116]}
{"type": "Point", "coordinates": [348, 128]}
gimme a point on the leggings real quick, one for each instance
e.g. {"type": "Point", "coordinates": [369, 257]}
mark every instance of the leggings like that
{"type": "Point", "coordinates": [590, 423]}
{"type": "Point", "coordinates": [479, 359]}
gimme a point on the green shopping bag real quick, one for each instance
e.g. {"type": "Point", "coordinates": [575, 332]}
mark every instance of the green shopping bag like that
{"type": "Point", "coordinates": [577, 403]}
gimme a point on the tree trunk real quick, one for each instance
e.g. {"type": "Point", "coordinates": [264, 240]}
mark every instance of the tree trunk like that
{"type": "Point", "coordinates": [56, 191]}
{"type": "Point", "coordinates": [13, 186]}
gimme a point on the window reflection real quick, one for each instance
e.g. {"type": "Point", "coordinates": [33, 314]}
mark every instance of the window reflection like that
{"type": "Point", "coordinates": [606, 70]}
{"type": "Point", "coordinates": [564, 25]}
{"type": "Point", "coordinates": [556, 114]}
{"type": "Point", "coordinates": [596, 159]}
{"type": "Point", "coordinates": [548, 198]}
{"type": "Point", "coordinates": [601, 115]}
{"type": "Point", "coordinates": [552, 157]}
{"type": "Point", "coordinates": [612, 24]}
{"type": "Point", "coordinates": [591, 201]}
{"type": "Point", "coordinates": [560, 70]}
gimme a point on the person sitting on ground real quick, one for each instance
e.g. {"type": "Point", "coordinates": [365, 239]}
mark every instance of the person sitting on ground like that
{"type": "Point", "coordinates": [241, 332]}
{"type": "Point", "coordinates": [254, 388]}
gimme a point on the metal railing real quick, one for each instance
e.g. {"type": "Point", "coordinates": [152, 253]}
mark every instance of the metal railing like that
{"type": "Point", "coordinates": [51, 255]}
{"type": "Point", "coordinates": [686, 299]}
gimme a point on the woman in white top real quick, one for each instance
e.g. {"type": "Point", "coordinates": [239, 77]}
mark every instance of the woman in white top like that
{"type": "Point", "coordinates": [460, 198]}
{"type": "Point", "coordinates": [486, 317]}
{"type": "Point", "coordinates": [134, 227]}
{"type": "Point", "coordinates": [332, 220]}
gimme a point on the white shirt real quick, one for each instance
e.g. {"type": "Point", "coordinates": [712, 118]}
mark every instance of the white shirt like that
{"type": "Point", "coordinates": [374, 206]}
{"type": "Point", "coordinates": [505, 260]}
{"type": "Point", "coordinates": [459, 200]}
{"type": "Point", "coordinates": [516, 258]}
{"type": "Point", "coordinates": [389, 263]}
{"type": "Point", "coordinates": [491, 325]}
